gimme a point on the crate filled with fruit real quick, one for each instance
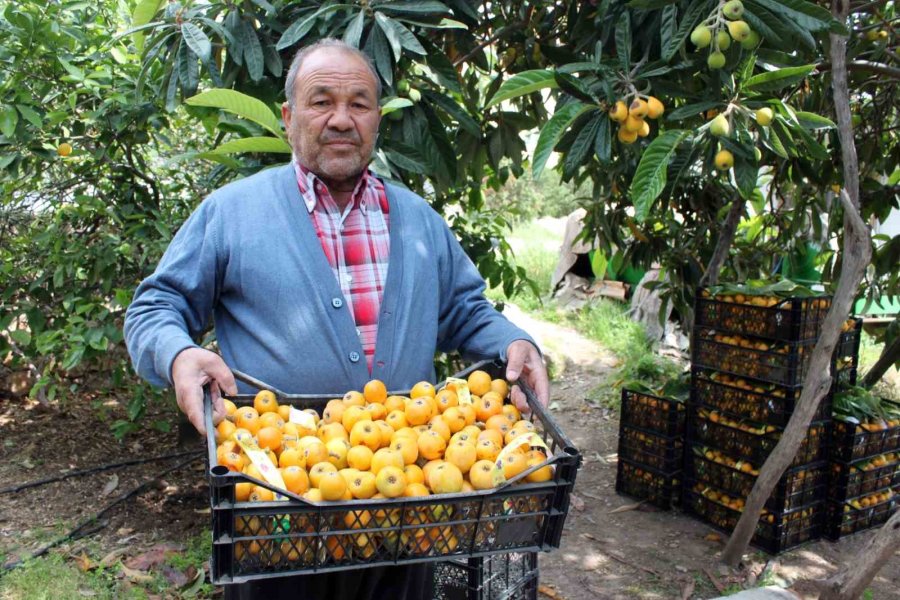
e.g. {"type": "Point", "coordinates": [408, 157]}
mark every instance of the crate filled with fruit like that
{"type": "Point", "coordinates": [660, 488]}
{"type": "Point", "coordinates": [782, 311]}
{"type": "Point", "coordinates": [654, 412]}
{"type": "Point", "coordinates": [772, 362]}
{"type": "Point", "coordinates": [864, 425]}
{"type": "Point", "coordinates": [859, 513]}
{"type": "Point", "coordinates": [776, 531]}
{"type": "Point", "coordinates": [317, 483]}
{"type": "Point", "coordinates": [745, 399]}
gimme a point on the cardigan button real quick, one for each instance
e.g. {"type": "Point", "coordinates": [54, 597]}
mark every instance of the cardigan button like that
{"type": "Point", "coordinates": [354, 357]}
{"type": "Point", "coordinates": [337, 302]}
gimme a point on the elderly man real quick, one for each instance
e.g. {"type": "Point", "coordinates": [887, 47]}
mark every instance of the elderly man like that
{"type": "Point", "coordinates": [319, 277]}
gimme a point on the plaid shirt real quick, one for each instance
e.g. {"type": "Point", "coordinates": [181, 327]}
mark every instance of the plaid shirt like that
{"type": "Point", "coordinates": [356, 244]}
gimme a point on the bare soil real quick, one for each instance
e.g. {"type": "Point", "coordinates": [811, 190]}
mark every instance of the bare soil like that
{"type": "Point", "coordinates": [606, 552]}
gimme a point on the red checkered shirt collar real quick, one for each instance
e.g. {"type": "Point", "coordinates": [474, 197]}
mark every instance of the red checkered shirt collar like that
{"type": "Point", "coordinates": [312, 188]}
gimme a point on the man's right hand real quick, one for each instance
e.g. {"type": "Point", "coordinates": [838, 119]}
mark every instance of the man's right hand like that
{"type": "Point", "coordinates": [192, 369]}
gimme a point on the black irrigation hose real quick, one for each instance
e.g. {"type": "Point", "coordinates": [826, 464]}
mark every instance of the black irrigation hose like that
{"type": "Point", "coordinates": [82, 530]}
{"type": "Point", "coordinates": [98, 469]}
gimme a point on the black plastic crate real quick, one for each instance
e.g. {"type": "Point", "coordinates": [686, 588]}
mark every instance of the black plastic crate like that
{"type": "Point", "coordinates": [856, 441]}
{"type": "Point", "coordinates": [652, 413]}
{"type": "Point", "coordinates": [255, 540]}
{"type": "Point", "coordinates": [642, 447]}
{"type": "Point", "coordinates": [775, 532]}
{"type": "Point", "coordinates": [511, 576]}
{"type": "Point", "coordinates": [799, 486]}
{"type": "Point", "coordinates": [781, 363]}
{"type": "Point", "coordinates": [708, 429]}
{"type": "Point", "coordinates": [644, 483]}
{"type": "Point", "coordinates": [789, 319]}
{"type": "Point", "coordinates": [848, 480]}
{"type": "Point", "coordinates": [849, 340]}
{"type": "Point", "coordinates": [744, 399]}
{"type": "Point", "coordinates": [844, 518]}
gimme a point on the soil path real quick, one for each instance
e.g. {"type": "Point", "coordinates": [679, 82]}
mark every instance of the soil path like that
{"type": "Point", "coordinates": [614, 549]}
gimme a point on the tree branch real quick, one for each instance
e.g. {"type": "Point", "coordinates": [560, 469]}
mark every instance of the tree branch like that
{"type": "Point", "coordinates": [865, 65]}
{"type": "Point", "coordinates": [723, 245]}
{"type": "Point", "coordinates": [851, 580]}
{"type": "Point", "coordinates": [889, 356]}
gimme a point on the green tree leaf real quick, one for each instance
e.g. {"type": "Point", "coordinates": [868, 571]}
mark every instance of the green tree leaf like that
{"type": "Point", "coordinates": [20, 336]}
{"type": "Point", "coordinates": [299, 28]}
{"type": "Point", "coordinates": [691, 18]}
{"type": "Point", "coordinates": [196, 40]}
{"type": "Point", "coordinates": [254, 144]}
{"type": "Point", "coordinates": [354, 30]}
{"type": "Point", "coordinates": [553, 131]}
{"type": "Point", "coordinates": [9, 118]}
{"type": "Point", "coordinates": [650, 176]}
{"type": "Point", "coordinates": [813, 121]}
{"type": "Point", "coordinates": [252, 51]}
{"type": "Point", "coordinates": [414, 7]}
{"type": "Point", "coordinates": [523, 83]}
{"type": "Point", "coordinates": [806, 14]}
{"type": "Point", "coordinates": [240, 104]}
{"type": "Point", "coordinates": [623, 40]}
{"type": "Point", "coordinates": [774, 81]}
{"type": "Point", "coordinates": [395, 104]}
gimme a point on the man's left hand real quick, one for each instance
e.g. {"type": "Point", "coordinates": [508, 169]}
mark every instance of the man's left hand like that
{"type": "Point", "coordinates": [523, 359]}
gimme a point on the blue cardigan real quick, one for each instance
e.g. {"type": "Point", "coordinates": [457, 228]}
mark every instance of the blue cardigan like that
{"type": "Point", "coordinates": [249, 257]}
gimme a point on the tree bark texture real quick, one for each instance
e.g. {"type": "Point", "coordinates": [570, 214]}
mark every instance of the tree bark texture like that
{"type": "Point", "coordinates": [852, 579]}
{"type": "Point", "coordinates": [856, 254]}
{"type": "Point", "coordinates": [723, 245]}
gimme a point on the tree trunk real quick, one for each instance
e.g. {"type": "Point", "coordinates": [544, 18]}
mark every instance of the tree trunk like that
{"type": "Point", "coordinates": [857, 252]}
{"type": "Point", "coordinates": [723, 245]}
{"type": "Point", "coordinates": [851, 580]}
{"type": "Point", "coordinates": [889, 356]}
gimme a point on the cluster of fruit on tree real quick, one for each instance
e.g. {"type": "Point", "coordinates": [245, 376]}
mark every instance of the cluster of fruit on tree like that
{"type": "Point", "coordinates": [631, 117]}
{"type": "Point", "coordinates": [373, 445]}
{"type": "Point", "coordinates": [722, 26]}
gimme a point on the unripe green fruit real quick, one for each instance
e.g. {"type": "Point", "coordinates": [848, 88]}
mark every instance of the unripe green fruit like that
{"type": "Point", "coordinates": [723, 40]}
{"type": "Point", "coordinates": [751, 41]}
{"type": "Point", "coordinates": [757, 153]}
{"type": "Point", "coordinates": [701, 36]}
{"type": "Point", "coordinates": [402, 86]}
{"type": "Point", "coordinates": [764, 116]}
{"type": "Point", "coordinates": [739, 30]}
{"type": "Point", "coordinates": [415, 95]}
{"type": "Point", "coordinates": [724, 160]}
{"type": "Point", "coordinates": [720, 126]}
{"type": "Point", "coordinates": [733, 10]}
{"type": "Point", "coordinates": [716, 60]}
{"type": "Point", "coordinates": [872, 35]}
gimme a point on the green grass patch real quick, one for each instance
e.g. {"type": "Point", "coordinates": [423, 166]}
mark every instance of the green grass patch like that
{"type": "Point", "coordinates": [52, 578]}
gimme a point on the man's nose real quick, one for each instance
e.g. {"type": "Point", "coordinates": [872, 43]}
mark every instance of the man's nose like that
{"type": "Point", "coordinates": [340, 118]}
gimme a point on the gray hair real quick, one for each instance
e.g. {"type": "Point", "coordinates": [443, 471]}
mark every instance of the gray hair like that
{"type": "Point", "coordinates": [302, 53]}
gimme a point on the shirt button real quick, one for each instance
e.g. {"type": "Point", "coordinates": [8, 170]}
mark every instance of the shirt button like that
{"type": "Point", "coordinates": [354, 357]}
{"type": "Point", "coordinates": [337, 302]}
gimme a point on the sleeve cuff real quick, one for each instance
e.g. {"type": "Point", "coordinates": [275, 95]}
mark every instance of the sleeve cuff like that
{"type": "Point", "coordinates": [167, 353]}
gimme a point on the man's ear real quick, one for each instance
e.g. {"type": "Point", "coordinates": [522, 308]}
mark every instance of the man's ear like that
{"type": "Point", "coordinates": [286, 115]}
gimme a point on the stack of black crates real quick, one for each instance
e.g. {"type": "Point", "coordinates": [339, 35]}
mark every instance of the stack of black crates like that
{"type": "Point", "coordinates": [651, 448]}
{"type": "Point", "coordinates": [750, 356]}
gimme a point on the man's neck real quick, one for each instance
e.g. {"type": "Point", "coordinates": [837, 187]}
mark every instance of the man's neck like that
{"type": "Point", "coordinates": [341, 191]}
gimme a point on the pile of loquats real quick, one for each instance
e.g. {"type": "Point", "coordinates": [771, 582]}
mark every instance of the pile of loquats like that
{"type": "Point", "coordinates": [370, 444]}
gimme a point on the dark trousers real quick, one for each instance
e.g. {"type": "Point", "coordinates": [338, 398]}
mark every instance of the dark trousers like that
{"type": "Point", "coordinates": [414, 582]}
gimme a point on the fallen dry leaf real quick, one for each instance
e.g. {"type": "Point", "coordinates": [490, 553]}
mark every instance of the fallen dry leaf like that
{"type": "Point", "coordinates": [111, 485]}
{"type": "Point", "coordinates": [688, 590]}
{"type": "Point", "coordinates": [136, 576]}
{"type": "Point", "coordinates": [549, 592]}
{"type": "Point", "coordinates": [155, 556]}
{"type": "Point", "coordinates": [577, 502]}
{"type": "Point", "coordinates": [111, 558]}
{"type": "Point", "coordinates": [625, 508]}
{"type": "Point", "coordinates": [84, 562]}
{"type": "Point", "coordinates": [176, 578]}
{"type": "Point", "coordinates": [712, 537]}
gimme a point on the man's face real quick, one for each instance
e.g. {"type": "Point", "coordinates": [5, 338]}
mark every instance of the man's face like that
{"type": "Point", "coordinates": [334, 122]}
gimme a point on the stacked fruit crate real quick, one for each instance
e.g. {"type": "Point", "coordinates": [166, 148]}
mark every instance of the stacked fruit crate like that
{"type": "Point", "coordinates": [651, 448]}
{"type": "Point", "coordinates": [750, 356]}
{"type": "Point", "coordinates": [864, 470]}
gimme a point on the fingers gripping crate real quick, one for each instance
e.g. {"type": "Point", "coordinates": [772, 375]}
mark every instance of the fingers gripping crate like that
{"type": "Point", "coordinates": [788, 320]}
{"type": "Point", "coordinates": [512, 576]}
{"type": "Point", "coordinates": [751, 442]}
{"type": "Point", "coordinates": [775, 532]}
{"type": "Point", "coordinates": [799, 486]}
{"type": "Point", "coordinates": [254, 540]}
{"type": "Point", "coordinates": [752, 400]}
{"type": "Point", "coordinates": [652, 413]}
{"type": "Point", "coordinates": [849, 480]}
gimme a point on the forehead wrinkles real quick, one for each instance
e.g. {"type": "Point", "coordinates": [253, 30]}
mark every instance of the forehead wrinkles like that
{"type": "Point", "coordinates": [359, 82]}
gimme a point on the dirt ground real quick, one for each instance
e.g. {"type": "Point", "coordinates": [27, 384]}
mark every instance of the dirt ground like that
{"type": "Point", "coordinates": [607, 552]}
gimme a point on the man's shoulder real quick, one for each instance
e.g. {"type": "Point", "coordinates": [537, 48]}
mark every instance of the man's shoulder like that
{"type": "Point", "coordinates": [259, 188]}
